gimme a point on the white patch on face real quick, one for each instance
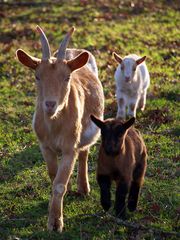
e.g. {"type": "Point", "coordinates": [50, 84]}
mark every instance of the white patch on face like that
{"type": "Point", "coordinates": [129, 65]}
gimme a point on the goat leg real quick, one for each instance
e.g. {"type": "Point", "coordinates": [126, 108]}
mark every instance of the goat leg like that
{"type": "Point", "coordinates": [121, 192]}
{"type": "Point", "coordinates": [104, 182]}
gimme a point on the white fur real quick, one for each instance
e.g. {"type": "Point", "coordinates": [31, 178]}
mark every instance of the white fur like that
{"type": "Point", "coordinates": [90, 134]}
{"type": "Point", "coordinates": [134, 91]}
{"type": "Point", "coordinates": [91, 64]}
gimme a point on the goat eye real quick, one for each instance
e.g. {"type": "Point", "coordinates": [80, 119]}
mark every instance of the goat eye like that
{"type": "Point", "coordinates": [67, 79]}
{"type": "Point", "coordinates": [122, 67]}
{"type": "Point", "coordinates": [37, 79]}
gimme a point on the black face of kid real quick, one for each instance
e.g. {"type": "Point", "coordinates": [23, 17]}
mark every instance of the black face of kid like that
{"type": "Point", "coordinates": [112, 133]}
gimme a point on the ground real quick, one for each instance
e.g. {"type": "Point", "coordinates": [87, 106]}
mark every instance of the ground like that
{"type": "Point", "coordinates": [143, 27]}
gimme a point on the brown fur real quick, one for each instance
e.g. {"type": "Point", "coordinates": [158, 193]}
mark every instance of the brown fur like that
{"type": "Point", "coordinates": [132, 146]}
{"type": "Point", "coordinates": [123, 158]}
{"type": "Point", "coordinates": [77, 93]}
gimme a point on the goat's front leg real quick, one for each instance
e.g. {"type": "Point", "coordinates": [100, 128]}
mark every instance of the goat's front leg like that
{"type": "Point", "coordinates": [83, 181]}
{"type": "Point", "coordinates": [55, 220]}
{"type": "Point", "coordinates": [121, 113]}
{"type": "Point", "coordinates": [121, 192]}
{"type": "Point", "coordinates": [132, 107]}
{"type": "Point", "coordinates": [51, 161]}
{"type": "Point", "coordinates": [104, 182]}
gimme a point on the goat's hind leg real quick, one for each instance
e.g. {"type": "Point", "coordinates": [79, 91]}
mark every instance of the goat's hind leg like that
{"type": "Point", "coordinates": [142, 101]}
{"type": "Point", "coordinates": [83, 181]}
{"type": "Point", "coordinates": [138, 178]}
{"type": "Point", "coordinates": [104, 182]}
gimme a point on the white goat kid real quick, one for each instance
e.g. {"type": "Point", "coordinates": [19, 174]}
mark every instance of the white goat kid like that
{"type": "Point", "coordinates": [68, 91]}
{"type": "Point", "coordinates": [132, 81]}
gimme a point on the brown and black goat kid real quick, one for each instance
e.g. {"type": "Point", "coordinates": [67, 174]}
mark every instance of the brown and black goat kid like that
{"type": "Point", "coordinates": [122, 158]}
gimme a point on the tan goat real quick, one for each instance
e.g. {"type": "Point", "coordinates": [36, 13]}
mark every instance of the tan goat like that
{"type": "Point", "coordinates": [68, 92]}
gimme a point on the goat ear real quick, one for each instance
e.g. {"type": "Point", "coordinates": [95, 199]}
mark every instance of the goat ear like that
{"type": "Point", "coordinates": [117, 57]}
{"type": "Point", "coordinates": [26, 59]}
{"type": "Point", "coordinates": [99, 123]}
{"type": "Point", "coordinates": [129, 123]}
{"type": "Point", "coordinates": [79, 61]}
{"type": "Point", "coordinates": [140, 60]}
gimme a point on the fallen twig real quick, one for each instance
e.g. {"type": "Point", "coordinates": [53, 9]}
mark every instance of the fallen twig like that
{"type": "Point", "coordinates": [132, 225]}
{"type": "Point", "coordinates": [137, 226]}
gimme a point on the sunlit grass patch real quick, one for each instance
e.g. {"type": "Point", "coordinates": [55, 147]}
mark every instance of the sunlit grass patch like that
{"type": "Point", "coordinates": [146, 28]}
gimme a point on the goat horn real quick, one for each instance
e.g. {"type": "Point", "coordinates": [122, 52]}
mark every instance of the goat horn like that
{"type": "Point", "coordinates": [64, 44]}
{"type": "Point", "coordinates": [46, 53]}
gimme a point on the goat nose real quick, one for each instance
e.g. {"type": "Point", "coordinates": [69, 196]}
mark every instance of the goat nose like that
{"type": "Point", "coordinates": [127, 78]}
{"type": "Point", "coordinates": [50, 104]}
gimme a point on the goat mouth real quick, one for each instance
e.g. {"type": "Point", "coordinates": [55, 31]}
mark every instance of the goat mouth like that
{"type": "Point", "coordinates": [112, 153]}
{"type": "Point", "coordinates": [50, 112]}
{"type": "Point", "coordinates": [128, 81]}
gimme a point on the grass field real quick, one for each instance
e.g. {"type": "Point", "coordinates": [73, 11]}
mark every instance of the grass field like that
{"type": "Point", "coordinates": [144, 27]}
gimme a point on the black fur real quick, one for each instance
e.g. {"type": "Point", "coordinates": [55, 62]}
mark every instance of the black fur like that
{"type": "Point", "coordinates": [104, 182]}
{"type": "Point", "coordinates": [121, 192]}
{"type": "Point", "coordinates": [117, 140]}
{"type": "Point", "coordinates": [133, 196]}
{"type": "Point", "coordinates": [135, 187]}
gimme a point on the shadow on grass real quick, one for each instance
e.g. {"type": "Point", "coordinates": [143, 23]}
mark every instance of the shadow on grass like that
{"type": "Point", "coordinates": [20, 161]}
{"type": "Point", "coordinates": [74, 228]}
{"type": "Point", "coordinates": [108, 11]}
{"type": "Point", "coordinates": [12, 34]}
{"type": "Point", "coordinates": [171, 96]}
{"type": "Point", "coordinates": [32, 224]}
{"type": "Point", "coordinates": [30, 217]}
{"type": "Point", "coordinates": [175, 131]}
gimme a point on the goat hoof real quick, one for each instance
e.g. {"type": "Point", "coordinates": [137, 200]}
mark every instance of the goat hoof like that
{"type": "Point", "coordinates": [84, 191]}
{"type": "Point", "coordinates": [121, 214]}
{"type": "Point", "coordinates": [75, 194]}
{"type": "Point", "coordinates": [132, 207]}
{"type": "Point", "coordinates": [106, 206]}
{"type": "Point", "coordinates": [55, 224]}
{"type": "Point", "coordinates": [82, 194]}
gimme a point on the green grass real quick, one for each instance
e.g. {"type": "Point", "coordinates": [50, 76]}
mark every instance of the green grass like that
{"type": "Point", "coordinates": [147, 28]}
